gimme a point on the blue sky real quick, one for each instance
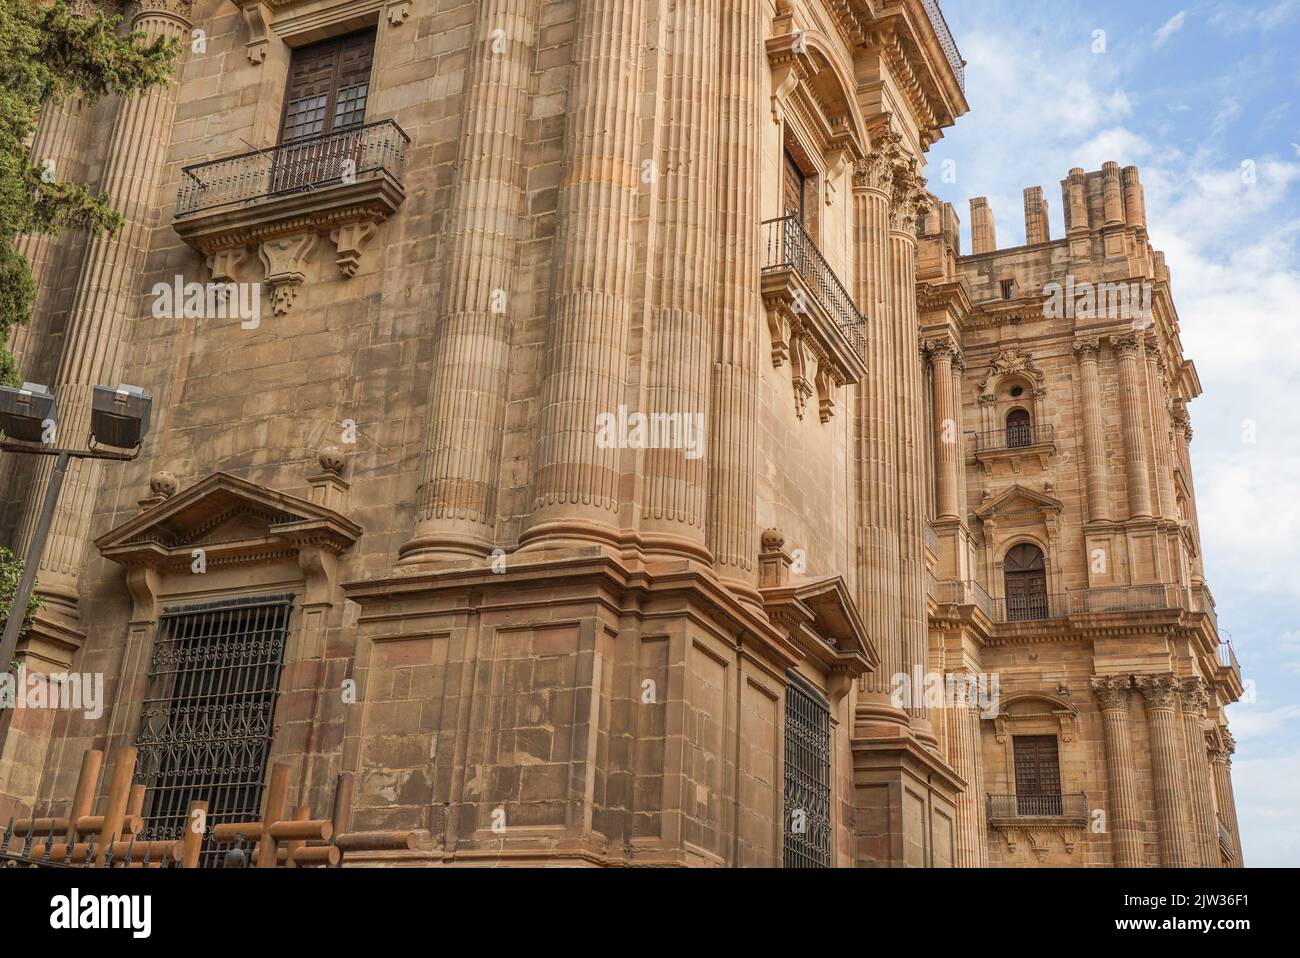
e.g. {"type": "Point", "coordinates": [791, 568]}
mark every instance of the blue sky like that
{"type": "Point", "coordinates": [1189, 92]}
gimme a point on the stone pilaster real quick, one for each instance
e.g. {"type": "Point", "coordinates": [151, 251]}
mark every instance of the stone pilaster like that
{"type": "Point", "coordinates": [1129, 349]}
{"type": "Point", "coordinates": [1161, 431]}
{"type": "Point", "coordinates": [466, 413]}
{"type": "Point", "coordinates": [1113, 194]}
{"type": "Point", "coordinates": [679, 383]}
{"type": "Point", "coordinates": [105, 301]}
{"type": "Point", "coordinates": [578, 483]}
{"type": "Point", "coordinates": [1094, 439]}
{"type": "Point", "coordinates": [1201, 784]}
{"type": "Point", "coordinates": [958, 367]}
{"type": "Point", "coordinates": [733, 425]}
{"type": "Point", "coordinates": [877, 431]}
{"type": "Point", "coordinates": [943, 352]}
{"type": "Point", "coordinates": [1125, 822]}
{"type": "Point", "coordinates": [1169, 773]}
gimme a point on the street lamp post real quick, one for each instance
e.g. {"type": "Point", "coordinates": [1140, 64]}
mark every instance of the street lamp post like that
{"type": "Point", "coordinates": [28, 417]}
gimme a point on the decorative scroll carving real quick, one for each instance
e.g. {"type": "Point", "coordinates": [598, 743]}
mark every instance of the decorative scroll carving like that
{"type": "Point", "coordinates": [1112, 691]}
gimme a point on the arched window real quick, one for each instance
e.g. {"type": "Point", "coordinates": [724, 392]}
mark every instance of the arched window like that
{"type": "Point", "coordinates": [1019, 432]}
{"type": "Point", "coordinates": [1025, 574]}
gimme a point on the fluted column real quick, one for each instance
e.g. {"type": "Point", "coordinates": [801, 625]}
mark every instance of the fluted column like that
{"type": "Point", "coordinates": [466, 411]}
{"type": "Point", "coordinates": [962, 740]}
{"type": "Point", "coordinates": [1094, 440]}
{"type": "Point", "coordinates": [107, 290]}
{"type": "Point", "coordinates": [679, 385]}
{"type": "Point", "coordinates": [877, 428]}
{"type": "Point", "coordinates": [1125, 824]}
{"type": "Point", "coordinates": [578, 480]}
{"type": "Point", "coordinates": [733, 424]}
{"type": "Point", "coordinates": [1113, 194]}
{"type": "Point", "coordinates": [946, 427]}
{"type": "Point", "coordinates": [1135, 458]}
{"type": "Point", "coordinates": [53, 148]}
{"type": "Point", "coordinates": [1195, 699]}
{"type": "Point", "coordinates": [1182, 427]}
{"type": "Point", "coordinates": [1221, 762]}
{"type": "Point", "coordinates": [959, 446]}
{"type": "Point", "coordinates": [908, 200]}
{"type": "Point", "coordinates": [1169, 774]}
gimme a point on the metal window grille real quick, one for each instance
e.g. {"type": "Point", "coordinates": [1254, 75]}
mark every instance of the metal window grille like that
{"type": "Point", "coordinates": [807, 778]}
{"type": "Point", "coordinates": [207, 720]}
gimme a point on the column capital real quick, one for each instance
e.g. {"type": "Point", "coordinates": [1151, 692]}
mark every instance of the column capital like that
{"type": "Point", "coordinates": [1195, 697]}
{"type": "Point", "coordinates": [181, 9]}
{"type": "Point", "coordinates": [1159, 691]}
{"type": "Point", "coordinates": [1112, 691]}
{"type": "Point", "coordinates": [1088, 349]}
{"type": "Point", "coordinates": [908, 199]}
{"type": "Point", "coordinates": [1127, 345]}
{"type": "Point", "coordinates": [943, 345]}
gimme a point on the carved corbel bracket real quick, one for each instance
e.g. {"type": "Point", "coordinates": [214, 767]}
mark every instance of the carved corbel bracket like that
{"type": "Point", "coordinates": [223, 263]}
{"type": "Point", "coordinates": [349, 240]}
{"type": "Point", "coordinates": [285, 258]}
{"type": "Point", "coordinates": [398, 12]}
{"type": "Point", "coordinates": [255, 19]}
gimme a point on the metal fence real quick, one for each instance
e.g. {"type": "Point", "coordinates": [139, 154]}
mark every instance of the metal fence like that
{"type": "Point", "coordinates": [1031, 608]}
{"type": "Point", "coordinates": [1073, 806]}
{"type": "Point", "coordinates": [1015, 436]}
{"type": "Point", "coordinates": [788, 246]}
{"type": "Point", "coordinates": [309, 163]}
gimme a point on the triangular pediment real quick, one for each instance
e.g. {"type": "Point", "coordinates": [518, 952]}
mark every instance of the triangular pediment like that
{"type": "Point", "coordinates": [1019, 499]}
{"type": "Point", "coordinates": [825, 620]}
{"type": "Point", "coordinates": [224, 512]}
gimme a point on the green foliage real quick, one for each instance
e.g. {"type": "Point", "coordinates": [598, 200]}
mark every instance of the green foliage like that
{"type": "Point", "coordinates": [47, 54]}
{"type": "Point", "coordinates": [10, 571]}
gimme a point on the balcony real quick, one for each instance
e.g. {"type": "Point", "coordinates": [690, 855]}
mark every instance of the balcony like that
{"type": "Point", "coordinates": [1013, 807]}
{"type": "Point", "coordinates": [956, 592]}
{"type": "Point", "coordinates": [1014, 444]}
{"type": "Point", "coordinates": [278, 200]}
{"type": "Point", "coordinates": [1126, 598]}
{"type": "Point", "coordinates": [814, 325]}
{"type": "Point", "coordinates": [1031, 608]}
{"type": "Point", "coordinates": [946, 41]}
{"type": "Point", "coordinates": [1228, 657]}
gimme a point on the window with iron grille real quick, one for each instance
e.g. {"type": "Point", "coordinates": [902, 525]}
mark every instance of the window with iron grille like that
{"type": "Point", "coordinates": [207, 720]}
{"type": "Point", "coordinates": [807, 777]}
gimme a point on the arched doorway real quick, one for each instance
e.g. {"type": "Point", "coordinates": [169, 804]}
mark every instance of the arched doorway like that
{"type": "Point", "coordinates": [1025, 576]}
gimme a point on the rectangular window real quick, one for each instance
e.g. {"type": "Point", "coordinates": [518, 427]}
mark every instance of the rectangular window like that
{"type": "Point", "coordinates": [807, 777]}
{"type": "Point", "coordinates": [329, 85]}
{"type": "Point", "coordinates": [209, 711]}
{"type": "Point", "coordinates": [1008, 288]}
{"type": "Point", "coordinates": [1038, 775]}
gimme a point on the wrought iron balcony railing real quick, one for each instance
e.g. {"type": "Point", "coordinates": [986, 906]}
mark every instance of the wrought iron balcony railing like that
{"type": "Point", "coordinates": [790, 247]}
{"type": "Point", "coordinates": [1004, 807]}
{"type": "Point", "coordinates": [956, 592]}
{"type": "Point", "coordinates": [1126, 598]}
{"type": "Point", "coordinates": [946, 41]}
{"type": "Point", "coordinates": [1225, 835]}
{"type": "Point", "coordinates": [1019, 436]}
{"type": "Point", "coordinates": [1031, 608]}
{"type": "Point", "coordinates": [311, 163]}
{"type": "Point", "coordinates": [1228, 656]}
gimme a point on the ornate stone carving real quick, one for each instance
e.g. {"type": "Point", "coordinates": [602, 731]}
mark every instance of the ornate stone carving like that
{"type": "Point", "coordinates": [398, 12]}
{"type": "Point", "coordinates": [942, 346]}
{"type": "Point", "coordinates": [349, 240]}
{"type": "Point", "coordinates": [1088, 349]}
{"type": "Point", "coordinates": [331, 459]}
{"type": "Point", "coordinates": [1112, 691]}
{"type": "Point", "coordinates": [285, 259]}
{"type": "Point", "coordinates": [257, 22]}
{"type": "Point", "coordinates": [1195, 696]}
{"type": "Point", "coordinates": [1007, 363]}
{"type": "Point", "coordinates": [907, 195]}
{"type": "Point", "coordinates": [1127, 345]}
{"type": "Point", "coordinates": [1159, 691]}
{"type": "Point", "coordinates": [163, 484]}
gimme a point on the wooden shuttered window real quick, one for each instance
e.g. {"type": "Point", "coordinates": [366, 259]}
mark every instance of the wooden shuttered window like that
{"type": "Point", "coordinates": [329, 84]}
{"type": "Point", "coordinates": [1038, 775]}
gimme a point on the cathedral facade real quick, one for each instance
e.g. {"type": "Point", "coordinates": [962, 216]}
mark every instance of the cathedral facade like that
{"type": "Point", "coordinates": [577, 421]}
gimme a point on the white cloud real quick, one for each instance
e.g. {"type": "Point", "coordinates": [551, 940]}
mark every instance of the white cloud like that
{"type": "Point", "coordinates": [1266, 809]}
{"type": "Point", "coordinates": [1172, 26]}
